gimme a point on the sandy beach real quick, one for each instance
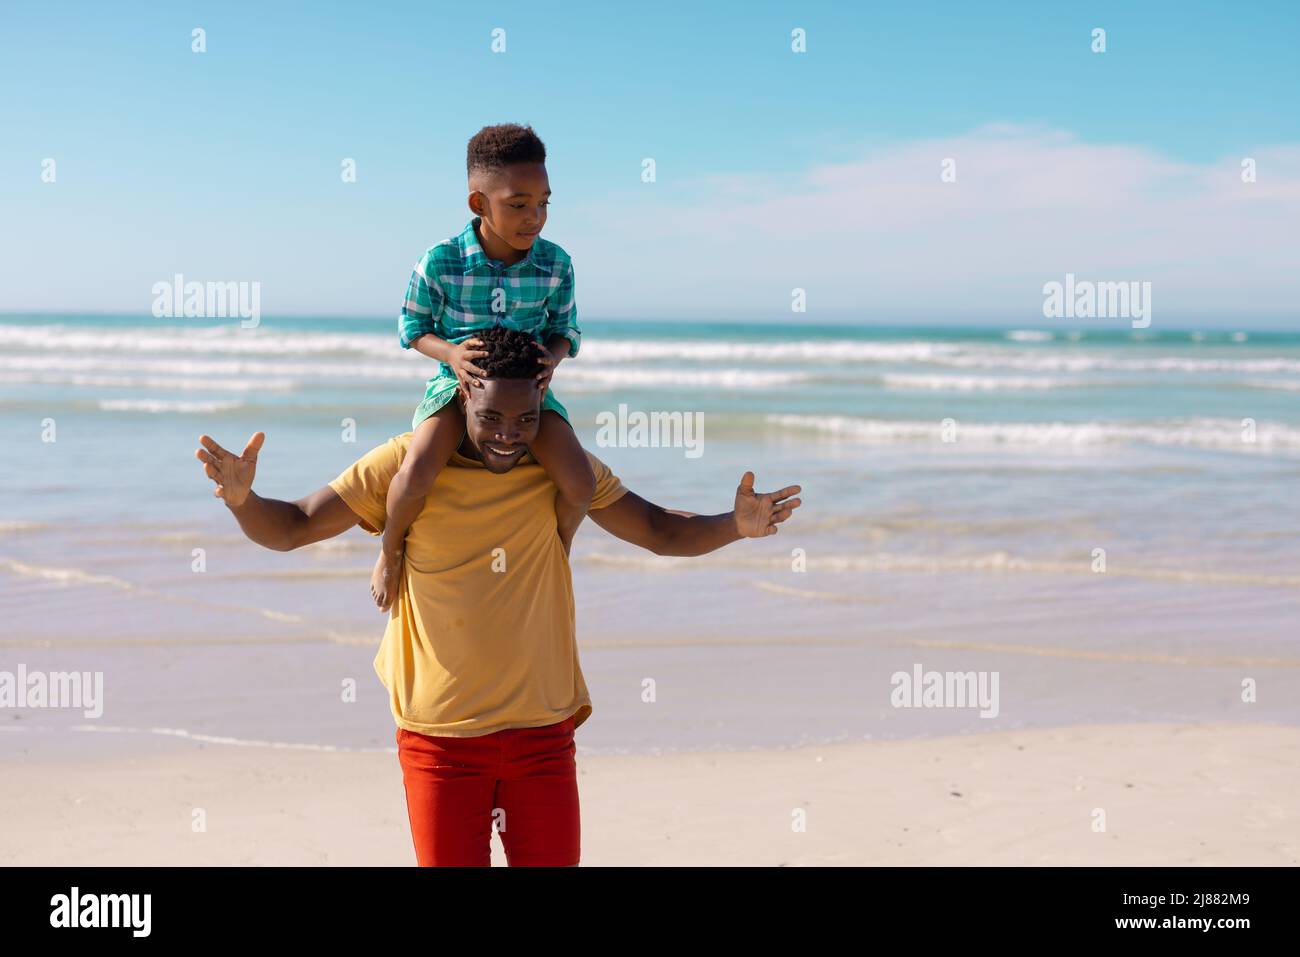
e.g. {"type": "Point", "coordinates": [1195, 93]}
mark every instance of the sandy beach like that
{"type": "Point", "coordinates": [1212, 794]}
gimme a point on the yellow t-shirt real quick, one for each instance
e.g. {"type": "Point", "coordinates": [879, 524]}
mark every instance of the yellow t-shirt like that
{"type": "Point", "coordinates": [482, 636]}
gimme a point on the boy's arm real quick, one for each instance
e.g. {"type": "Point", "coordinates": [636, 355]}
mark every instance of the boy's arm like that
{"type": "Point", "coordinates": [423, 306]}
{"type": "Point", "coordinates": [562, 319]}
{"type": "Point", "coordinates": [558, 346]}
{"type": "Point", "coordinates": [671, 532]}
{"type": "Point", "coordinates": [428, 344]}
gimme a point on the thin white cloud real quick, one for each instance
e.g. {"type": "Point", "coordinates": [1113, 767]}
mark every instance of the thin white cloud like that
{"type": "Point", "coordinates": [884, 232]}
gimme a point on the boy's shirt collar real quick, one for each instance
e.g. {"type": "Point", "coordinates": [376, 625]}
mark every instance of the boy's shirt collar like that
{"type": "Point", "coordinates": [472, 253]}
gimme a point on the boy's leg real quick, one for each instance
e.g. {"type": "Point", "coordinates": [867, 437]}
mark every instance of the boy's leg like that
{"type": "Point", "coordinates": [431, 446]}
{"type": "Point", "coordinates": [558, 450]}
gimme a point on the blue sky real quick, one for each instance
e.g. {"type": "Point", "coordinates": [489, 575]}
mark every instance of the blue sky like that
{"type": "Point", "coordinates": [776, 170]}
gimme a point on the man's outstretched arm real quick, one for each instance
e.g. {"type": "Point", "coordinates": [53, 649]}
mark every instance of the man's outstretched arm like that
{"type": "Point", "coordinates": [270, 522]}
{"type": "Point", "coordinates": [671, 532]}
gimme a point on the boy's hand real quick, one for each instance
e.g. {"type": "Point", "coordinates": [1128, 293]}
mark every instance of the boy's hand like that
{"type": "Point", "coordinates": [758, 514]}
{"type": "Point", "coordinates": [232, 473]}
{"type": "Point", "coordinates": [549, 361]}
{"type": "Point", "coordinates": [462, 359]}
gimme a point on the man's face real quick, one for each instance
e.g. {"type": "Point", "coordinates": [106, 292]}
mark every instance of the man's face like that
{"type": "Point", "coordinates": [514, 202]}
{"type": "Point", "coordinates": [501, 420]}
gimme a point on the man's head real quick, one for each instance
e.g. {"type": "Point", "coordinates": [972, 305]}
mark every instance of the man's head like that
{"type": "Point", "coordinates": [502, 418]}
{"type": "Point", "coordinates": [508, 188]}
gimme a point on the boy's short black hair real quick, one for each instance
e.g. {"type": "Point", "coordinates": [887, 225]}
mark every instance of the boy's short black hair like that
{"type": "Point", "coordinates": [511, 354]}
{"type": "Point", "coordinates": [494, 147]}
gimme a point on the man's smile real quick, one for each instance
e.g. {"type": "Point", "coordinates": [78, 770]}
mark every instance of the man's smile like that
{"type": "Point", "coordinates": [504, 451]}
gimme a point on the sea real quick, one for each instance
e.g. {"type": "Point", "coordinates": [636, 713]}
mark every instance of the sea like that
{"type": "Point", "coordinates": [1101, 524]}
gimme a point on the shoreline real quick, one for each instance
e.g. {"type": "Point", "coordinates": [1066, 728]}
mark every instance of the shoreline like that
{"type": "Point", "coordinates": [1175, 794]}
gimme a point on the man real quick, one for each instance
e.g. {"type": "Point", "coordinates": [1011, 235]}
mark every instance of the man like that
{"type": "Point", "coordinates": [480, 657]}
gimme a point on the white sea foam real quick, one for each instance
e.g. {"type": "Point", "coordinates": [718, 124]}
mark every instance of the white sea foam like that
{"type": "Point", "coordinates": [262, 341]}
{"type": "Point", "coordinates": [360, 573]}
{"type": "Point", "coordinates": [1030, 335]}
{"type": "Point", "coordinates": [841, 350]}
{"type": "Point", "coordinates": [166, 405]}
{"type": "Point", "coordinates": [244, 375]}
{"type": "Point", "coordinates": [148, 382]}
{"type": "Point", "coordinates": [995, 562]}
{"type": "Point", "coordinates": [78, 576]}
{"type": "Point", "coordinates": [104, 350]}
{"type": "Point", "coordinates": [1088, 362]}
{"type": "Point", "coordinates": [697, 378]}
{"type": "Point", "coordinates": [352, 638]}
{"type": "Point", "coordinates": [1279, 385]}
{"type": "Point", "coordinates": [223, 368]}
{"type": "Point", "coordinates": [11, 527]}
{"type": "Point", "coordinates": [221, 339]}
{"type": "Point", "coordinates": [64, 576]}
{"type": "Point", "coordinates": [212, 539]}
{"type": "Point", "coordinates": [232, 340]}
{"type": "Point", "coordinates": [226, 739]}
{"type": "Point", "coordinates": [955, 383]}
{"type": "Point", "coordinates": [1226, 434]}
{"type": "Point", "coordinates": [839, 597]}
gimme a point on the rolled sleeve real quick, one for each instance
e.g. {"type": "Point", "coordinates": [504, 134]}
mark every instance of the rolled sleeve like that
{"type": "Point", "coordinates": [423, 305]}
{"type": "Point", "coordinates": [562, 313]}
{"type": "Point", "coordinates": [363, 485]}
{"type": "Point", "coordinates": [608, 487]}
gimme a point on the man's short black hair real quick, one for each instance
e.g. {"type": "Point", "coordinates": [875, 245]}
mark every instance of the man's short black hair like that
{"type": "Point", "coordinates": [495, 147]}
{"type": "Point", "coordinates": [511, 354]}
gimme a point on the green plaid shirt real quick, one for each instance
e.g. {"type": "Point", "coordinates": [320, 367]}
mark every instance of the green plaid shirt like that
{"type": "Point", "coordinates": [454, 288]}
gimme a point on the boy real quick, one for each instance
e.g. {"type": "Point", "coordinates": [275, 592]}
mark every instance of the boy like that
{"type": "Point", "coordinates": [497, 272]}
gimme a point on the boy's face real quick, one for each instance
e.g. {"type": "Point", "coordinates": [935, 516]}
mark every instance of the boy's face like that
{"type": "Point", "coordinates": [501, 420]}
{"type": "Point", "coordinates": [512, 202]}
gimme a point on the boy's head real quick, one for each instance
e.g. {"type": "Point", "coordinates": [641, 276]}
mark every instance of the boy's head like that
{"type": "Point", "coordinates": [502, 418]}
{"type": "Point", "coordinates": [508, 188]}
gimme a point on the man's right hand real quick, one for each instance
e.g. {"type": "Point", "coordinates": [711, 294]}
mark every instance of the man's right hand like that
{"type": "Point", "coordinates": [233, 474]}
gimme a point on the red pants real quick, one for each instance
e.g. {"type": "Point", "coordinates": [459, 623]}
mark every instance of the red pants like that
{"type": "Point", "coordinates": [522, 781]}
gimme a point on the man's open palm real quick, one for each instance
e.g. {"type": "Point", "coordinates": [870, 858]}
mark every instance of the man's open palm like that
{"type": "Point", "coordinates": [758, 513]}
{"type": "Point", "coordinates": [232, 473]}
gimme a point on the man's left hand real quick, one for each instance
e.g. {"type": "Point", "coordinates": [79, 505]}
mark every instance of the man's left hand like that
{"type": "Point", "coordinates": [759, 513]}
